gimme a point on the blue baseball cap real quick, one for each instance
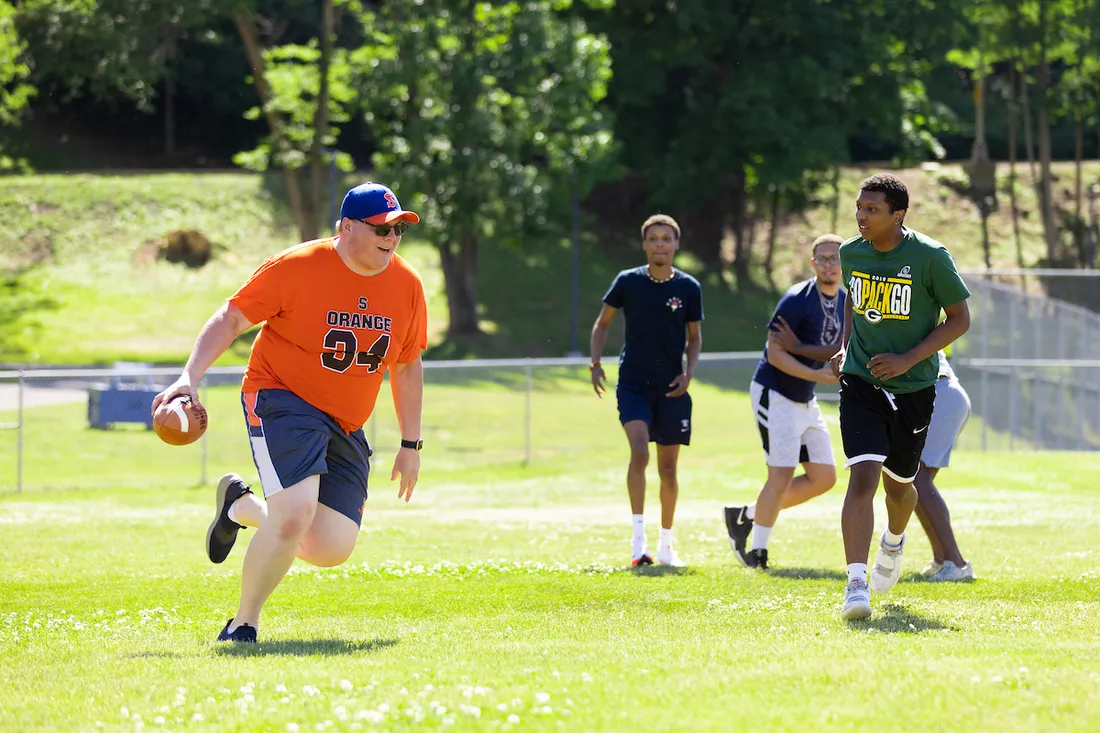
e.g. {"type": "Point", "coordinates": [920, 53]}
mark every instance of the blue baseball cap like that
{"type": "Point", "coordinates": [376, 204]}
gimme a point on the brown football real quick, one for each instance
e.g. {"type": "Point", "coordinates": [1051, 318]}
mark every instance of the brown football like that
{"type": "Point", "coordinates": [180, 421]}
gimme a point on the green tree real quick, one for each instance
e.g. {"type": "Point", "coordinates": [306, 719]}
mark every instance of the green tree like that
{"type": "Point", "coordinates": [717, 106]}
{"type": "Point", "coordinates": [111, 48]}
{"type": "Point", "coordinates": [305, 93]}
{"type": "Point", "coordinates": [484, 113]}
{"type": "Point", "coordinates": [15, 92]}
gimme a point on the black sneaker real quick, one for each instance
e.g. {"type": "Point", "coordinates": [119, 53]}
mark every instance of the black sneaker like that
{"type": "Point", "coordinates": [243, 633]}
{"type": "Point", "coordinates": [223, 531]}
{"type": "Point", "coordinates": [739, 526]}
{"type": "Point", "coordinates": [757, 559]}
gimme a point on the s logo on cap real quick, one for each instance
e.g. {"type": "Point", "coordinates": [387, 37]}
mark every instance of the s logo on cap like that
{"type": "Point", "coordinates": [391, 200]}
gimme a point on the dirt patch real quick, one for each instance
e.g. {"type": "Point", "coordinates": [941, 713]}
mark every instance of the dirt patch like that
{"type": "Point", "coordinates": [189, 247]}
{"type": "Point", "coordinates": [39, 248]}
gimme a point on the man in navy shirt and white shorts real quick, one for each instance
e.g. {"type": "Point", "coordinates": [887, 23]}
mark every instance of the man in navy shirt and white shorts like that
{"type": "Point", "coordinates": [803, 334]}
{"type": "Point", "coordinates": [663, 308]}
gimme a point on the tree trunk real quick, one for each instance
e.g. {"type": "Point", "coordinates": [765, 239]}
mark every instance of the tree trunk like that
{"type": "Point", "coordinates": [704, 232]}
{"type": "Point", "coordinates": [317, 151]}
{"type": "Point", "coordinates": [1046, 198]}
{"type": "Point", "coordinates": [1013, 111]}
{"type": "Point", "coordinates": [742, 246]}
{"type": "Point", "coordinates": [836, 198]}
{"type": "Point", "coordinates": [1029, 144]}
{"type": "Point", "coordinates": [773, 234]}
{"type": "Point", "coordinates": [459, 264]}
{"type": "Point", "coordinates": [246, 27]}
{"type": "Point", "coordinates": [1078, 220]}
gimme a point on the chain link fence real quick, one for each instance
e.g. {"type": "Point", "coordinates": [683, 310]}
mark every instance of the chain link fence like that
{"type": "Point", "coordinates": [1031, 364]}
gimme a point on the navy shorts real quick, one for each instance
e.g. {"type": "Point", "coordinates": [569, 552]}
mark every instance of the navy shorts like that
{"type": "Point", "coordinates": [877, 425]}
{"type": "Point", "coordinates": [293, 440]}
{"type": "Point", "coordinates": [668, 418]}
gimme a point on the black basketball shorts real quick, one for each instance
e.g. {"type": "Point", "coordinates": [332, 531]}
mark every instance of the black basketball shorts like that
{"type": "Point", "coordinates": [877, 425]}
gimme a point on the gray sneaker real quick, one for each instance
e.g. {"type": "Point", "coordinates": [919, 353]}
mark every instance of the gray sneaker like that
{"type": "Point", "coordinates": [931, 568]}
{"type": "Point", "coordinates": [952, 573]}
{"type": "Point", "coordinates": [857, 601]}
{"type": "Point", "coordinates": [887, 568]}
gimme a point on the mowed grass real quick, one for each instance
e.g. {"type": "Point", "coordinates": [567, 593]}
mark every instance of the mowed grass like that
{"type": "Point", "coordinates": [86, 293]}
{"type": "Point", "coordinates": [498, 599]}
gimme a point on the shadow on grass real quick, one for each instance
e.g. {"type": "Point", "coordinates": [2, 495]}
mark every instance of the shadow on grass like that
{"type": "Point", "coordinates": [659, 571]}
{"type": "Point", "coordinates": [808, 574]}
{"type": "Point", "coordinates": [305, 647]}
{"type": "Point", "coordinates": [894, 618]}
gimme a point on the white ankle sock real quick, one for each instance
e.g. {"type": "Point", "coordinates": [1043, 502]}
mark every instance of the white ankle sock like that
{"type": "Point", "coordinates": [894, 540]}
{"type": "Point", "coordinates": [750, 511]}
{"type": "Point", "coordinates": [760, 536]}
{"type": "Point", "coordinates": [857, 571]}
{"type": "Point", "coordinates": [665, 542]}
{"type": "Point", "coordinates": [638, 521]}
{"type": "Point", "coordinates": [233, 512]}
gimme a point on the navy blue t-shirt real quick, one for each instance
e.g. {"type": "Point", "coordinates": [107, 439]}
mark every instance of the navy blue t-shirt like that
{"type": "Point", "coordinates": [803, 309]}
{"type": "Point", "coordinates": [656, 316]}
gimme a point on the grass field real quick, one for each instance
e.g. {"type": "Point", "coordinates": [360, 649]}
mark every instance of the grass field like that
{"type": "Point", "coordinates": [85, 295]}
{"type": "Point", "coordinates": [498, 599]}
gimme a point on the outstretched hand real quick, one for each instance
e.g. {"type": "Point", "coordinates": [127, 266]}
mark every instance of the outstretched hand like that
{"type": "Point", "coordinates": [679, 386]}
{"type": "Point", "coordinates": [406, 464]}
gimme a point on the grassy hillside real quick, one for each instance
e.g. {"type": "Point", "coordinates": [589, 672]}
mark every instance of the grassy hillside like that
{"type": "Point", "coordinates": [85, 292]}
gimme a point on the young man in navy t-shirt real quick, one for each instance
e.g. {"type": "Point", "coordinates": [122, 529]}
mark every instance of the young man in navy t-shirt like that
{"type": "Point", "coordinates": [663, 308]}
{"type": "Point", "coordinates": [804, 333]}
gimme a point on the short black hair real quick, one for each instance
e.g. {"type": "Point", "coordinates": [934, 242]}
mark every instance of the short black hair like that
{"type": "Point", "coordinates": [662, 220]}
{"type": "Point", "coordinates": [893, 188]}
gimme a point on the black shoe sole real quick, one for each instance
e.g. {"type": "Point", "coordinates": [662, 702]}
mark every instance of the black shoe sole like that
{"type": "Point", "coordinates": [219, 503]}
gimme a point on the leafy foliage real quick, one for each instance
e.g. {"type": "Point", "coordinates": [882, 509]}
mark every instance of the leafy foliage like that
{"type": "Point", "coordinates": [15, 92]}
{"type": "Point", "coordinates": [294, 77]}
{"type": "Point", "coordinates": [481, 109]}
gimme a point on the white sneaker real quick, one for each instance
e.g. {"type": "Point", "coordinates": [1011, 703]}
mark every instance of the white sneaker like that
{"type": "Point", "coordinates": [931, 568]}
{"type": "Point", "coordinates": [952, 573]}
{"type": "Point", "coordinates": [668, 556]}
{"type": "Point", "coordinates": [639, 556]}
{"type": "Point", "coordinates": [857, 601]}
{"type": "Point", "coordinates": [887, 568]}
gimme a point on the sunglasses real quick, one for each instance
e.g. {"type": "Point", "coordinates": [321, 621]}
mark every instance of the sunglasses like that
{"type": "Point", "coordinates": [383, 230]}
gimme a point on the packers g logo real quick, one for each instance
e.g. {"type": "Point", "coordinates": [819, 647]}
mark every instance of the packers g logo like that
{"type": "Point", "coordinates": [872, 315]}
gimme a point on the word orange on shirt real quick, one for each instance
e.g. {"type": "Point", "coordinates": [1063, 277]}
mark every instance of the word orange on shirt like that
{"type": "Point", "coordinates": [329, 333]}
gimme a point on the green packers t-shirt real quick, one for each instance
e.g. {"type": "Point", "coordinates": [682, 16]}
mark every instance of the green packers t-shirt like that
{"type": "Point", "coordinates": [896, 301]}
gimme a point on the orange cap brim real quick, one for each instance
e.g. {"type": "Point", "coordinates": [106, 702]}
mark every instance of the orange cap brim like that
{"type": "Point", "coordinates": [391, 216]}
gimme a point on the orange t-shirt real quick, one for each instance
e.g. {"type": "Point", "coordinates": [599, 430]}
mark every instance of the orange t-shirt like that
{"type": "Point", "coordinates": [329, 333]}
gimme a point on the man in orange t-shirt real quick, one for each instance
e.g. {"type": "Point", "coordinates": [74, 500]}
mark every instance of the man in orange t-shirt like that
{"type": "Point", "coordinates": [337, 313]}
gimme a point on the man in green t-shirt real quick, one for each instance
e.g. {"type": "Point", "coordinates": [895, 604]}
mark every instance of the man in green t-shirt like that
{"type": "Point", "coordinates": [898, 280]}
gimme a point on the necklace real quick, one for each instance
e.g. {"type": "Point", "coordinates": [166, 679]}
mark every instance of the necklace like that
{"type": "Point", "coordinates": [663, 280]}
{"type": "Point", "coordinates": [830, 329]}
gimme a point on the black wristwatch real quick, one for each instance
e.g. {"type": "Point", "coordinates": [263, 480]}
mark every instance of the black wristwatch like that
{"type": "Point", "coordinates": [414, 444]}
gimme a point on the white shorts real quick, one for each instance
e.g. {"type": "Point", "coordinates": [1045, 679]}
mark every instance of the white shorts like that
{"type": "Point", "coordinates": [792, 432]}
{"type": "Point", "coordinates": [950, 414]}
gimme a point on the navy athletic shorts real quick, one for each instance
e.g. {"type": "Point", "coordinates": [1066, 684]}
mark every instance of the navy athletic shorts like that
{"type": "Point", "coordinates": [293, 440]}
{"type": "Point", "coordinates": [668, 418]}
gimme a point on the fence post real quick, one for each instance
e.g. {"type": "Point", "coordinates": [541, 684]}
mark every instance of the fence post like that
{"type": "Point", "coordinates": [202, 474]}
{"type": "Point", "coordinates": [527, 417]}
{"type": "Point", "coordinates": [19, 440]}
{"type": "Point", "coordinates": [986, 407]}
